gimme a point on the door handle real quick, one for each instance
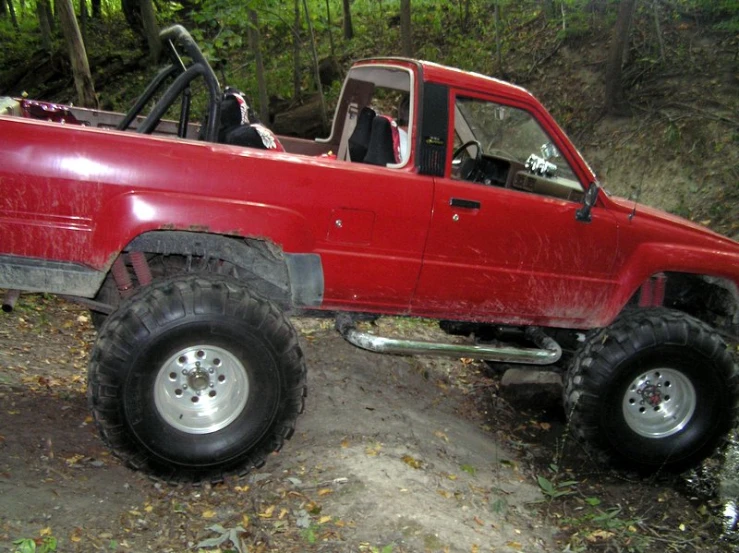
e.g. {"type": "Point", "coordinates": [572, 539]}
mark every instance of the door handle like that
{"type": "Point", "coordinates": [466, 204]}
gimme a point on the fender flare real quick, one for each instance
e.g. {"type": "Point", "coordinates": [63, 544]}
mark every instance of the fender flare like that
{"type": "Point", "coordinates": [290, 279]}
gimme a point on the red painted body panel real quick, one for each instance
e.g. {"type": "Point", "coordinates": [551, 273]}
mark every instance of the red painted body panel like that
{"type": "Point", "coordinates": [388, 239]}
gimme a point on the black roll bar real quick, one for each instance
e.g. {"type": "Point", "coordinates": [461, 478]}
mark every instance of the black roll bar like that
{"type": "Point", "coordinates": [171, 37]}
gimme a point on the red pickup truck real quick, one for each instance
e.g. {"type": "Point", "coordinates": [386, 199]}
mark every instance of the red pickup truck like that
{"type": "Point", "coordinates": [473, 208]}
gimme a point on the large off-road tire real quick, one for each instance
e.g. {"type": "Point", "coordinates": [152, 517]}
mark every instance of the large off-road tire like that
{"type": "Point", "coordinates": [657, 389]}
{"type": "Point", "coordinates": [195, 377]}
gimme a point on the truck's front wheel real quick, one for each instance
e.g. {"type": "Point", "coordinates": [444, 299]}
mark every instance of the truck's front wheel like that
{"type": "Point", "coordinates": [657, 388]}
{"type": "Point", "coordinates": [196, 377]}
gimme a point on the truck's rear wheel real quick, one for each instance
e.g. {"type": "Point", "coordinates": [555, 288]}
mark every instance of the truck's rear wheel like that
{"type": "Point", "coordinates": [195, 377]}
{"type": "Point", "coordinates": [657, 388]}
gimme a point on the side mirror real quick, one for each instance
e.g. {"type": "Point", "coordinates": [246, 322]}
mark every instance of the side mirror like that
{"type": "Point", "coordinates": [591, 196]}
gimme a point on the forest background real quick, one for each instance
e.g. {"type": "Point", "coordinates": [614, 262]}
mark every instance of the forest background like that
{"type": "Point", "coordinates": [646, 88]}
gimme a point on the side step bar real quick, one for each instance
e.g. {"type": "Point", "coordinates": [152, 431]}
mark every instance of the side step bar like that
{"type": "Point", "coordinates": [548, 351]}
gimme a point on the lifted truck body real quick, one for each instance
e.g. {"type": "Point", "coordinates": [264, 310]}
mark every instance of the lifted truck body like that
{"type": "Point", "coordinates": [457, 231]}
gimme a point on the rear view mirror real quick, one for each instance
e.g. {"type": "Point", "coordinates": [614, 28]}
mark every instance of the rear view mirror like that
{"type": "Point", "coordinates": [591, 196]}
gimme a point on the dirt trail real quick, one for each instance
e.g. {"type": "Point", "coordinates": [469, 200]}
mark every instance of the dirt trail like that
{"type": "Point", "coordinates": [383, 458]}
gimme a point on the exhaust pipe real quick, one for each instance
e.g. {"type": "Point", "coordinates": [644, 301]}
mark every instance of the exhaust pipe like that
{"type": "Point", "coordinates": [548, 351]}
{"type": "Point", "coordinates": [11, 296]}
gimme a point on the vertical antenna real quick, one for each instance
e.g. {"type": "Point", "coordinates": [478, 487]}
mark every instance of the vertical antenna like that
{"type": "Point", "coordinates": [638, 192]}
{"type": "Point", "coordinates": [636, 197]}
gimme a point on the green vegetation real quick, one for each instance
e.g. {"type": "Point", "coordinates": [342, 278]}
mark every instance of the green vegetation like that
{"type": "Point", "coordinates": [44, 544]}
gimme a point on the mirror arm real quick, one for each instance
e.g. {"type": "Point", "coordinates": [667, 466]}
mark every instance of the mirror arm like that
{"type": "Point", "coordinates": [584, 214]}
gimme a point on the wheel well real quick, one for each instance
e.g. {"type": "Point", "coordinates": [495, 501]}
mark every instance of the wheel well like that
{"type": "Point", "coordinates": [258, 263]}
{"type": "Point", "coordinates": [713, 300]}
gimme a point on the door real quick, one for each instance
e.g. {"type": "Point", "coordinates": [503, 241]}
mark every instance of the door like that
{"type": "Point", "coordinates": [504, 244]}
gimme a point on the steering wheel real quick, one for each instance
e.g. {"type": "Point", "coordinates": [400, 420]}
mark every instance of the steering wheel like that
{"type": "Point", "coordinates": [469, 167]}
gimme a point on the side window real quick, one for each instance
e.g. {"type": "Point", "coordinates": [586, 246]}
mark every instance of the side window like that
{"type": "Point", "coordinates": [504, 146]}
{"type": "Point", "coordinates": [379, 108]}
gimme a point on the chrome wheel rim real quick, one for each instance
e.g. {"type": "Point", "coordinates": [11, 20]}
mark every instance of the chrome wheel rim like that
{"type": "Point", "coordinates": [201, 389]}
{"type": "Point", "coordinates": [659, 403]}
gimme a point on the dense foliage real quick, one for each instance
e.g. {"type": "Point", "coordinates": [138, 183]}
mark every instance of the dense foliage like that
{"type": "Point", "coordinates": [480, 35]}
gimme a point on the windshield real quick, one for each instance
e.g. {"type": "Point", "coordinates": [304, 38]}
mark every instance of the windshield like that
{"type": "Point", "coordinates": [509, 133]}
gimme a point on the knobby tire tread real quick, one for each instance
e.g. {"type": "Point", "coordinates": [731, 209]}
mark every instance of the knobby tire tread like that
{"type": "Point", "coordinates": [142, 314]}
{"type": "Point", "coordinates": [592, 368]}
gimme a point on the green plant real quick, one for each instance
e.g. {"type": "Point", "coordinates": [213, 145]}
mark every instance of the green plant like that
{"type": "Point", "coordinates": [600, 526]}
{"type": "Point", "coordinates": [553, 490]}
{"type": "Point", "coordinates": [46, 544]}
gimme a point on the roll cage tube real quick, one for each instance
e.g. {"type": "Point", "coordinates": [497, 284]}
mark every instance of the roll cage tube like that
{"type": "Point", "coordinates": [183, 76]}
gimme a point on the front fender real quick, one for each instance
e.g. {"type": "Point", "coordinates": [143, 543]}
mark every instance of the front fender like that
{"type": "Point", "coordinates": [651, 258]}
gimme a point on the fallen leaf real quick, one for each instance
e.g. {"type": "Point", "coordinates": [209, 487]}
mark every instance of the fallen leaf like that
{"type": "Point", "coordinates": [267, 513]}
{"type": "Point", "coordinates": [209, 513]}
{"type": "Point", "coordinates": [599, 535]}
{"type": "Point", "coordinates": [45, 531]}
{"type": "Point", "coordinates": [374, 450]}
{"type": "Point", "coordinates": [324, 519]}
{"type": "Point", "coordinates": [411, 462]}
{"type": "Point", "coordinates": [514, 545]}
{"type": "Point", "coordinates": [232, 535]}
{"type": "Point", "coordinates": [441, 435]}
{"type": "Point", "coordinates": [76, 535]}
{"type": "Point", "coordinates": [74, 459]}
{"type": "Point", "coordinates": [325, 491]}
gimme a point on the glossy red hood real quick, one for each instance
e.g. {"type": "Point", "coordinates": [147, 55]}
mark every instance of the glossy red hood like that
{"type": "Point", "coordinates": [668, 220]}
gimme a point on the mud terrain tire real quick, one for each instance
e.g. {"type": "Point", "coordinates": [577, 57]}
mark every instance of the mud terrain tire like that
{"type": "Point", "coordinates": [656, 389]}
{"type": "Point", "coordinates": [196, 377]}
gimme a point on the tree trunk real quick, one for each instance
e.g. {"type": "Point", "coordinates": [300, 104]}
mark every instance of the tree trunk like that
{"type": "Point", "coordinates": [132, 12]}
{"type": "Point", "coordinates": [50, 15]}
{"type": "Point", "coordinates": [11, 11]}
{"type": "Point", "coordinates": [83, 20]}
{"type": "Point", "coordinates": [348, 28]}
{"type": "Point", "coordinates": [498, 46]}
{"type": "Point", "coordinates": [619, 42]}
{"type": "Point", "coordinates": [330, 32]}
{"type": "Point", "coordinates": [324, 114]}
{"type": "Point", "coordinates": [296, 51]}
{"type": "Point", "coordinates": [406, 38]}
{"type": "Point", "coordinates": [77, 55]}
{"type": "Point", "coordinates": [151, 31]}
{"type": "Point", "coordinates": [96, 12]}
{"type": "Point", "coordinates": [658, 30]}
{"type": "Point", "coordinates": [42, 11]}
{"type": "Point", "coordinates": [254, 44]}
